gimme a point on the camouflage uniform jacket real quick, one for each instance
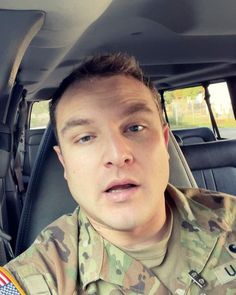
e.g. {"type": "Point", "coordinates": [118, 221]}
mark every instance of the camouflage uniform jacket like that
{"type": "Point", "coordinates": [69, 257]}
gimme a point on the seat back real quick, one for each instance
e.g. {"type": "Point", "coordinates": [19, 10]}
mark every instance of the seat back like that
{"type": "Point", "coordinates": [195, 135]}
{"type": "Point", "coordinates": [48, 196]}
{"type": "Point", "coordinates": [5, 156]}
{"type": "Point", "coordinates": [213, 164]}
{"type": "Point", "coordinates": [33, 139]}
{"type": "Point", "coordinates": [180, 173]}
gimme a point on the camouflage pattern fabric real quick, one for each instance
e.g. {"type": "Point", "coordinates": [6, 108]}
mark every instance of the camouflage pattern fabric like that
{"type": "Point", "coordinates": [69, 257]}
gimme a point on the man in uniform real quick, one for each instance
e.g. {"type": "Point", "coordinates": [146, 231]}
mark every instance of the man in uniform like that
{"type": "Point", "coordinates": [133, 233]}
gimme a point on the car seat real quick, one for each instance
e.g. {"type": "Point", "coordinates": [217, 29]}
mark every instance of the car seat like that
{"type": "Point", "coordinates": [194, 135]}
{"type": "Point", "coordinates": [213, 164]}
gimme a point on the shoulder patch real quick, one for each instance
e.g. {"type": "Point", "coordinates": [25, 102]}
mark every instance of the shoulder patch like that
{"type": "Point", "coordinates": [8, 284]}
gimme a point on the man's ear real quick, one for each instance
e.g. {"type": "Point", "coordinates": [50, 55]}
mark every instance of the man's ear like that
{"type": "Point", "coordinates": [59, 154]}
{"type": "Point", "coordinates": [60, 157]}
{"type": "Point", "coordinates": [166, 134]}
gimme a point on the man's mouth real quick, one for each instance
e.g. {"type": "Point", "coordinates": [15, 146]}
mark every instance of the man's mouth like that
{"type": "Point", "coordinates": [118, 188]}
{"type": "Point", "coordinates": [120, 191]}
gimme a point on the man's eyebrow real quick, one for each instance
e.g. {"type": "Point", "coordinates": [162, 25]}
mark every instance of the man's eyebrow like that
{"type": "Point", "coordinates": [74, 123]}
{"type": "Point", "coordinates": [136, 108]}
{"type": "Point", "coordinates": [130, 110]}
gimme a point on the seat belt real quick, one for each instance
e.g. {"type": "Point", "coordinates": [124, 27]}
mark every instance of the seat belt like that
{"type": "Point", "coordinates": [208, 103]}
{"type": "Point", "coordinates": [6, 252]}
{"type": "Point", "coordinates": [163, 105]}
{"type": "Point", "coordinates": [20, 140]}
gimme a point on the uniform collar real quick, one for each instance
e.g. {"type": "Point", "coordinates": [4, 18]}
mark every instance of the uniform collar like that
{"type": "Point", "coordinates": [99, 259]}
{"type": "Point", "coordinates": [90, 252]}
{"type": "Point", "coordinates": [212, 211]}
{"type": "Point", "coordinates": [123, 270]}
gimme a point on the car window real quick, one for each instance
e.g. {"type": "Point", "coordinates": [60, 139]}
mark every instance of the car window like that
{"type": "Point", "coordinates": [222, 109]}
{"type": "Point", "coordinates": [39, 115]}
{"type": "Point", "coordinates": [186, 108]}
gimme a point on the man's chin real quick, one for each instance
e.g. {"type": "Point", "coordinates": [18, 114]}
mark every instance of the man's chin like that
{"type": "Point", "coordinates": [122, 223]}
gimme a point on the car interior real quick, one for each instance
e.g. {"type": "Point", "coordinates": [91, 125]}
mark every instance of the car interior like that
{"type": "Point", "coordinates": [179, 44]}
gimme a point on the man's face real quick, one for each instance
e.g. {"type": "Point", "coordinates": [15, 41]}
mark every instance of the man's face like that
{"type": "Point", "coordinates": [114, 151]}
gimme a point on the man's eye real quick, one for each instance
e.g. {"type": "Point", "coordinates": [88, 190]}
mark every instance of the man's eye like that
{"type": "Point", "coordinates": [85, 139]}
{"type": "Point", "coordinates": [135, 128]}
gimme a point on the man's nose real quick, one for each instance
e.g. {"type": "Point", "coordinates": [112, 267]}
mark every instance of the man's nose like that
{"type": "Point", "coordinates": [118, 152]}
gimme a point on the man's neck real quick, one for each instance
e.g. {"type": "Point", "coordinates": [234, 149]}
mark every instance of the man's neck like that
{"type": "Point", "coordinates": [139, 237]}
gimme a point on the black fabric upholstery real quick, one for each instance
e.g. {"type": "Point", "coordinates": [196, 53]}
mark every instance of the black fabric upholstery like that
{"type": "Point", "coordinates": [194, 135]}
{"type": "Point", "coordinates": [5, 149]}
{"type": "Point", "coordinates": [5, 156]}
{"type": "Point", "coordinates": [213, 164]}
{"type": "Point", "coordinates": [33, 139]}
{"type": "Point", "coordinates": [178, 139]}
{"type": "Point", "coordinates": [48, 196]}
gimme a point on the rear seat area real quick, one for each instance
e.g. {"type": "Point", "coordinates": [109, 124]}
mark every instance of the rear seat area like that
{"type": "Point", "coordinates": [213, 164]}
{"type": "Point", "coordinates": [193, 135]}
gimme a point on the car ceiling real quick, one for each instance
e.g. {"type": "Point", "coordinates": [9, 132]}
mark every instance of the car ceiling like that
{"type": "Point", "coordinates": [178, 43]}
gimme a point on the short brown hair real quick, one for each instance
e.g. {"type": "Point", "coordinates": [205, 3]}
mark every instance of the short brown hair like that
{"type": "Point", "coordinates": [103, 66]}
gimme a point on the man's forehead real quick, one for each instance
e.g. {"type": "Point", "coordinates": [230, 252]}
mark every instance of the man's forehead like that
{"type": "Point", "coordinates": [115, 83]}
{"type": "Point", "coordinates": [125, 98]}
{"type": "Point", "coordinates": [86, 120]}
